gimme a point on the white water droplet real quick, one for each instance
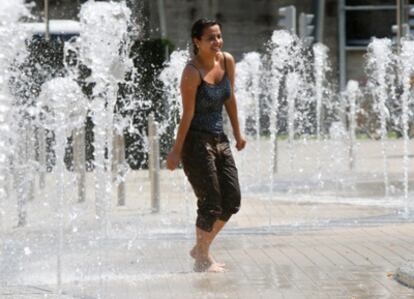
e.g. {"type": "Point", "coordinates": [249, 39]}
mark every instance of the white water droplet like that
{"type": "Point", "coordinates": [27, 251]}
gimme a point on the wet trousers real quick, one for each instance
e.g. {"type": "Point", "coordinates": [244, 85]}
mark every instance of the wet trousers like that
{"type": "Point", "coordinates": [210, 168]}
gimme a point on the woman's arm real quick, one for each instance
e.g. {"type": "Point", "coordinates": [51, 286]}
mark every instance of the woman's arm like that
{"type": "Point", "coordinates": [231, 104]}
{"type": "Point", "coordinates": [189, 81]}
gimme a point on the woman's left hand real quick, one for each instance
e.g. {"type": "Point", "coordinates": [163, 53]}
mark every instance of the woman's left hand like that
{"type": "Point", "coordinates": [240, 143]}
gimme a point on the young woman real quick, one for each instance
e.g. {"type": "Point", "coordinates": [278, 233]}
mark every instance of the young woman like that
{"type": "Point", "coordinates": [206, 86]}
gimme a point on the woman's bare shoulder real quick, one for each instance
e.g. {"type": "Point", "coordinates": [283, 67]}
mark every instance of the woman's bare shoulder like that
{"type": "Point", "coordinates": [228, 56]}
{"type": "Point", "coordinates": [190, 73]}
{"type": "Point", "coordinates": [229, 61]}
{"type": "Point", "coordinates": [191, 67]}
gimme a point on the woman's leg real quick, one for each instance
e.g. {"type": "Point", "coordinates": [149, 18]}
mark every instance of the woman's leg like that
{"type": "Point", "coordinates": [217, 227]}
{"type": "Point", "coordinates": [202, 246]}
{"type": "Point", "coordinates": [200, 252]}
{"type": "Point", "coordinates": [206, 187]}
{"type": "Point", "coordinates": [229, 183]}
{"type": "Point", "coordinates": [200, 167]}
{"type": "Point", "coordinates": [229, 190]}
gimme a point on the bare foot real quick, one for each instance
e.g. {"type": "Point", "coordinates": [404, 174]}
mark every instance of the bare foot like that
{"type": "Point", "coordinates": [201, 266]}
{"type": "Point", "coordinates": [210, 259]}
{"type": "Point", "coordinates": [206, 266]}
{"type": "Point", "coordinates": [216, 268]}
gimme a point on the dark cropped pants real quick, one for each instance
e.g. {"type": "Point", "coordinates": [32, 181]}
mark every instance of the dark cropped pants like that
{"type": "Point", "coordinates": [209, 166]}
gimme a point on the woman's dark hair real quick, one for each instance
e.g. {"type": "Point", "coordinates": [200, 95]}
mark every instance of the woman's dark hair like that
{"type": "Point", "coordinates": [198, 29]}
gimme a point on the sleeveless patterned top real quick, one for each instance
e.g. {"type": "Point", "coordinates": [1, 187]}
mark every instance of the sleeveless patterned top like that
{"type": "Point", "coordinates": [210, 99]}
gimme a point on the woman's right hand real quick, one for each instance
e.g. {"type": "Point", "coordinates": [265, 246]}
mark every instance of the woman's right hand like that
{"type": "Point", "coordinates": [173, 160]}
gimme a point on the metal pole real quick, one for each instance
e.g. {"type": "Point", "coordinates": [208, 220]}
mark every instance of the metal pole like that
{"type": "Point", "coordinates": [31, 156]}
{"type": "Point", "coordinates": [406, 12]}
{"type": "Point", "coordinates": [163, 25]}
{"type": "Point", "coordinates": [156, 173]}
{"type": "Point", "coordinates": [121, 159]}
{"type": "Point", "coordinates": [118, 166]}
{"type": "Point", "coordinates": [42, 157]}
{"type": "Point", "coordinates": [47, 33]}
{"type": "Point", "coordinates": [342, 44]}
{"type": "Point", "coordinates": [320, 21]}
{"type": "Point", "coordinates": [275, 154]}
{"type": "Point", "coordinates": [402, 21]}
{"type": "Point", "coordinates": [161, 12]}
{"type": "Point", "coordinates": [369, 7]}
{"type": "Point", "coordinates": [154, 163]}
{"type": "Point", "coordinates": [79, 160]}
{"type": "Point", "coordinates": [399, 25]}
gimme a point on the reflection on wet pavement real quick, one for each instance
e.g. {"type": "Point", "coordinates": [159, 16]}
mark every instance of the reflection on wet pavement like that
{"type": "Point", "coordinates": [333, 263]}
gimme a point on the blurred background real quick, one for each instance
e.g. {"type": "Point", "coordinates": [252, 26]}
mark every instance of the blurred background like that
{"type": "Point", "coordinates": [248, 24]}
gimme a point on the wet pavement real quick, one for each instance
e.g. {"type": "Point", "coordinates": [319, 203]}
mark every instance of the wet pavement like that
{"type": "Point", "coordinates": [145, 255]}
{"type": "Point", "coordinates": [317, 243]}
{"type": "Point", "coordinates": [339, 263]}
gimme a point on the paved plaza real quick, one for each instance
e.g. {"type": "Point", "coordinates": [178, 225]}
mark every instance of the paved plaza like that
{"type": "Point", "coordinates": [325, 244]}
{"type": "Point", "coordinates": [340, 260]}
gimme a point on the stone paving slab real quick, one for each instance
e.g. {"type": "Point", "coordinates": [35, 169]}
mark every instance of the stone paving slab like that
{"type": "Point", "coordinates": [142, 255]}
{"type": "Point", "coordinates": [354, 262]}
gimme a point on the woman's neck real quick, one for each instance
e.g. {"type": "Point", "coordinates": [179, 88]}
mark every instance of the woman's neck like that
{"type": "Point", "coordinates": [206, 61]}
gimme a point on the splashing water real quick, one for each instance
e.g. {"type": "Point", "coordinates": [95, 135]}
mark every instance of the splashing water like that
{"type": "Point", "coordinates": [103, 47]}
{"type": "Point", "coordinates": [407, 69]}
{"type": "Point", "coordinates": [249, 74]}
{"type": "Point", "coordinates": [64, 105]}
{"type": "Point", "coordinates": [292, 87]}
{"type": "Point", "coordinates": [281, 50]}
{"type": "Point", "coordinates": [380, 59]}
{"type": "Point", "coordinates": [352, 94]}
{"type": "Point", "coordinates": [321, 68]}
{"type": "Point", "coordinates": [59, 96]}
{"type": "Point", "coordinates": [105, 24]}
{"type": "Point", "coordinates": [247, 91]}
{"type": "Point", "coordinates": [12, 51]}
{"type": "Point", "coordinates": [171, 77]}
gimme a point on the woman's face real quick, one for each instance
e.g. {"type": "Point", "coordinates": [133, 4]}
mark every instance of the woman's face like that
{"type": "Point", "coordinates": [211, 41]}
